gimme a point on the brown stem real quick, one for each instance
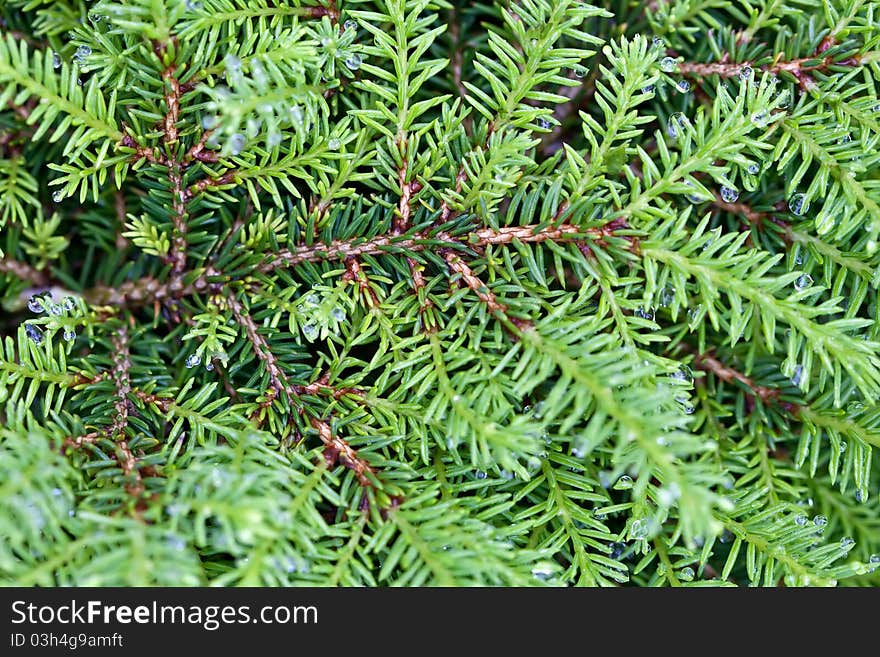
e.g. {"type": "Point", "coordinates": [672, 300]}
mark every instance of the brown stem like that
{"type": "Point", "coordinates": [337, 450]}
{"type": "Point", "coordinates": [445, 210]}
{"type": "Point", "coordinates": [343, 249]}
{"type": "Point", "coordinates": [199, 150]}
{"type": "Point", "coordinates": [121, 367]}
{"type": "Point", "coordinates": [24, 272]}
{"type": "Point", "coordinates": [200, 186]}
{"type": "Point", "coordinates": [754, 217]}
{"type": "Point", "coordinates": [472, 281]}
{"type": "Point", "coordinates": [322, 387]}
{"type": "Point", "coordinates": [355, 273]}
{"type": "Point", "coordinates": [709, 363]}
{"type": "Point", "coordinates": [277, 377]}
{"type": "Point", "coordinates": [164, 404]}
{"type": "Point", "coordinates": [148, 290]}
{"type": "Point", "coordinates": [177, 254]}
{"type": "Point", "coordinates": [799, 68]}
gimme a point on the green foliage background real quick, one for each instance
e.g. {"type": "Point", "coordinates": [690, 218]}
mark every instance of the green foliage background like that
{"type": "Point", "coordinates": [409, 292]}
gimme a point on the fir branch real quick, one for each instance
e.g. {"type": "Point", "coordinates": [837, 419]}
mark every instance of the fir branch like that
{"type": "Point", "coordinates": [336, 304]}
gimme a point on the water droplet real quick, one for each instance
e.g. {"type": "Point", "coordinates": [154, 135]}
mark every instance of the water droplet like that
{"type": "Point", "coordinates": [676, 124]}
{"type": "Point", "coordinates": [310, 331]}
{"type": "Point", "coordinates": [58, 195]}
{"type": "Point", "coordinates": [729, 195]}
{"type": "Point", "coordinates": [783, 99]}
{"type": "Point", "coordinates": [798, 204]}
{"type": "Point", "coordinates": [208, 121]}
{"type": "Point", "coordinates": [842, 447]}
{"type": "Point", "coordinates": [479, 474]}
{"type": "Point", "coordinates": [683, 86]}
{"type": "Point", "coordinates": [860, 497]}
{"type": "Point", "coordinates": [349, 25]}
{"type": "Point", "coordinates": [797, 375]}
{"type": "Point", "coordinates": [820, 521]}
{"type": "Point", "coordinates": [686, 406]}
{"type": "Point", "coordinates": [209, 366]}
{"type": "Point", "coordinates": [542, 572]}
{"type": "Point", "coordinates": [354, 62]}
{"type": "Point", "coordinates": [232, 62]}
{"type": "Point", "coordinates": [580, 71]}
{"type": "Point", "coordinates": [726, 536]}
{"type": "Point", "coordinates": [193, 360]}
{"type": "Point", "coordinates": [82, 52]}
{"type": "Point", "coordinates": [69, 335]}
{"type": "Point", "coordinates": [56, 60]}
{"type": "Point", "coordinates": [646, 313]}
{"type": "Point", "coordinates": [803, 282]}
{"type": "Point", "coordinates": [68, 303]}
{"type": "Point", "coordinates": [638, 529]}
{"type": "Point", "coordinates": [759, 119]}
{"type": "Point", "coordinates": [686, 574]}
{"type": "Point", "coordinates": [667, 495]}
{"type": "Point", "coordinates": [800, 519]}
{"type": "Point", "coordinates": [34, 305]}
{"type": "Point", "coordinates": [236, 143]}
{"type": "Point", "coordinates": [684, 373]}
{"type": "Point", "coordinates": [598, 515]}
{"type": "Point", "coordinates": [338, 314]}
{"type": "Point", "coordinates": [753, 169]}
{"type": "Point", "coordinates": [668, 64]}
{"type": "Point", "coordinates": [55, 309]}
{"type": "Point", "coordinates": [624, 483]}
{"type": "Point", "coordinates": [333, 144]}
{"type": "Point", "coordinates": [258, 72]}
{"type": "Point", "coordinates": [697, 198]}
{"type": "Point", "coordinates": [847, 542]}
{"type": "Point", "coordinates": [649, 89]}
{"type": "Point", "coordinates": [745, 72]}
{"type": "Point", "coordinates": [657, 42]}
{"type": "Point", "coordinates": [845, 139]}
{"type": "Point", "coordinates": [34, 332]}
{"type": "Point", "coordinates": [544, 123]}
{"type": "Point", "coordinates": [274, 139]}
{"type": "Point", "coordinates": [874, 559]}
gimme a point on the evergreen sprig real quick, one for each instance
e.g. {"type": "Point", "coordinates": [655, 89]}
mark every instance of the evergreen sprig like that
{"type": "Point", "coordinates": [431, 292]}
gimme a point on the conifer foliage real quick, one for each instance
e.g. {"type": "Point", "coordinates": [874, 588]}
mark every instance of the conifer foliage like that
{"type": "Point", "coordinates": [434, 292]}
